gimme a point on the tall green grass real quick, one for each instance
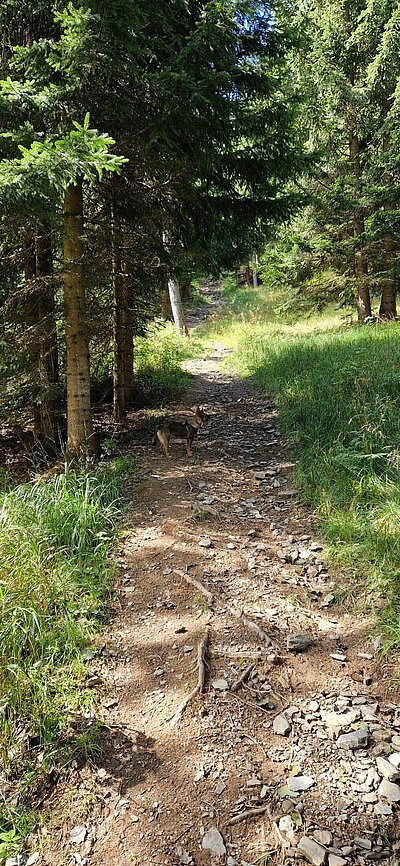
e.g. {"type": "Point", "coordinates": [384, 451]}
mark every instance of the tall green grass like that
{"type": "Point", "coordinates": [337, 388]}
{"type": "Point", "coordinates": [338, 394]}
{"type": "Point", "coordinates": [54, 582]}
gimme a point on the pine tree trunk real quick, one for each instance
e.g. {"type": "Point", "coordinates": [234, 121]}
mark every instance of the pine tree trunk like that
{"type": "Point", "coordinates": [176, 305]}
{"type": "Point", "coordinates": [81, 442]}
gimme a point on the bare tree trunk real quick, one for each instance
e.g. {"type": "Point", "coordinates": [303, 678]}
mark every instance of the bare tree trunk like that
{"type": "Point", "coordinates": [81, 442]}
{"type": "Point", "coordinates": [31, 315]}
{"type": "Point", "coordinates": [174, 294]}
{"type": "Point", "coordinates": [176, 305]}
{"type": "Point", "coordinates": [363, 299]}
{"type": "Point", "coordinates": [122, 326]}
{"type": "Point", "coordinates": [166, 312]}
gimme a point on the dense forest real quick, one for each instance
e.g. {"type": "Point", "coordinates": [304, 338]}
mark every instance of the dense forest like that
{"type": "Point", "coordinates": [150, 155]}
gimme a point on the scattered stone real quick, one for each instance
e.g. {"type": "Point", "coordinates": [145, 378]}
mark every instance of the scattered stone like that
{"type": "Point", "coordinates": [254, 782]}
{"type": "Point", "coordinates": [383, 809]}
{"type": "Point", "coordinates": [212, 841]}
{"type": "Point", "coordinates": [300, 783]}
{"type": "Point", "coordinates": [338, 657]}
{"type": "Point", "coordinates": [230, 546]}
{"type": "Point", "coordinates": [381, 735]}
{"type": "Point", "coordinates": [389, 791]}
{"type": "Point", "coordinates": [363, 842]}
{"type": "Point", "coordinates": [324, 837]}
{"type": "Point", "coordinates": [187, 648]}
{"type": "Point", "coordinates": [335, 860]}
{"type": "Point", "coordinates": [313, 706]}
{"type": "Point", "coordinates": [287, 828]}
{"type": "Point", "coordinates": [281, 726]}
{"type": "Point", "coordinates": [185, 859]}
{"type": "Point", "coordinates": [78, 834]}
{"type": "Point", "coordinates": [396, 740]}
{"type": "Point", "coordinates": [354, 740]}
{"type": "Point", "coordinates": [315, 853]}
{"type": "Point", "coordinates": [220, 684]}
{"type": "Point", "coordinates": [298, 642]}
{"type": "Point", "coordinates": [370, 797]}
{"type": "Point", "coordinates": [159, 672]}
{"type": "Point", "coordinates": [205, 541]}
{"type": "Point", "coordinates": [260, 476]}
{"type": "Point", "coordinates": [394, 759]}
{"type": "Point", "coordinates": [387, 769]}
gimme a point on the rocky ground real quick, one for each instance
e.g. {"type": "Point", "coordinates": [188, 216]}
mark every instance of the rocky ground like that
{"type": "Point", "coordinates": [300, 760]}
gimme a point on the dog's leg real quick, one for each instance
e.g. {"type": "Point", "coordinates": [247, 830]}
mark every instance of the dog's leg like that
{"type": "Point", "coordinates": [163, 440]}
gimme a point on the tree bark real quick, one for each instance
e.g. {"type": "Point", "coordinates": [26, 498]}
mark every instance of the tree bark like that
{"type": "Point", "coordinates": [81, 442]}
{"type": "Point", "coordinates": [176, 305]}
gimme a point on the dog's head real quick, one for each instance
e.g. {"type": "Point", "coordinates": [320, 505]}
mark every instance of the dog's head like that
{"type": "Point", "coordinates": [200, 416]}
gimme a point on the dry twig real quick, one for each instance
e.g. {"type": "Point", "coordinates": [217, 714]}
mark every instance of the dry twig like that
{"type": "Point", "coordinates": [249, 813]}
{"type": "Point", "coordinates": [199, 687]}
{"type": "Point", "coordinates": [242, 679]}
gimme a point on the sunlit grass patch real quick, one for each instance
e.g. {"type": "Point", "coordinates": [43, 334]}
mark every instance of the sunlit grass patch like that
{"type": "Point", "coordinates": [55, 579]}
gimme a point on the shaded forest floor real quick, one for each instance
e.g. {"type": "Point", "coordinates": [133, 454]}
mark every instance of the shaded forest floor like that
{"type": "Point", "coordinates": [161, 792]}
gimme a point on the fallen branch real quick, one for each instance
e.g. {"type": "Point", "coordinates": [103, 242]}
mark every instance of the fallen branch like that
{"type": "Point", "coordinates": [242, 679]}
{"type": "Point", "coordinates": [200, 586]}
{"type": "Point", "coordinates": [249, 813]}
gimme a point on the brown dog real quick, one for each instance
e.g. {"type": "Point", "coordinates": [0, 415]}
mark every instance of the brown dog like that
{"type": "Point", "coordinates": [180, 430]}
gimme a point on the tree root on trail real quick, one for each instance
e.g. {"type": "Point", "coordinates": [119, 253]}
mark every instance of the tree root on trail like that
{"type": "Point", "coordinates": [194, 582]}
{"type": "Point", "coordinates": [242, 679]}
{"type": "Point", "coordinates": [249, 813]}
{"type": "Point", "coordinates": [200, 686]}
{"type": "Point", "coordinates": [238, 614]}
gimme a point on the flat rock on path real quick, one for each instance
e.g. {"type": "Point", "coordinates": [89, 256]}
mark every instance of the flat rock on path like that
{"type": "Point", "coordinates": [226, 762]}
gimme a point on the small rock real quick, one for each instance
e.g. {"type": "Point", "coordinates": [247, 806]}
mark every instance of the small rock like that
{"type": "Point", "coordinates": [315, 853]}
{"type": "Point", "coordinates": [254, 782]}
{"type": "Point", "coordinates": [324, 837]}
{"type": "Point", "coordinates": [389, 791]}
{"type": "Point", "coordinates": [300, 783]}
{"type": "Point", "coordinates": [187, 648]}
{"type": "Point", "coordinates": [363, 842]}
{"type": "Point", "coordinates": [338, 657]}
{"type": "Point", "coordinates": [370, 797]}
{"type": "Point", "coordinates": [313, 706]}
{"type": "Point", "coordinates": [387, 769]}
{"type": "Point", "coordinates": [297, 643]}
{"type": "Point", "coordinates": [381, 735]}
{"type": "Point", "coordinates": [158, 672]}
{"type": "Point", "coordinates": [353, 740]}
{"type": "Point", "coordinates": [383, 809]}
{"type": "Point", "coordinates": [394, 759]}
{"type": "Point", "coordinates": [396, 740]}
{"type": "Point", "coordinates": [335, 860]}
{"type": "Point", "coordinates": [205, 541]}
{"type": "Point", "coordinates": [281, 726]}
{"type": "Point", "coordinates": [287, 829]}
{"type": "Point", "coordinates": [212, 841]}
{"type": "Point", "coordinates": [78, 834]}
{"type": "Point", "coordinates": [230, 546]}
{"type": "Point", "coordinates": [260, 476]}
{"type": "Point", "coordinates": [185, 859]}
{"type": "Point", "coordinates": [220, 684]}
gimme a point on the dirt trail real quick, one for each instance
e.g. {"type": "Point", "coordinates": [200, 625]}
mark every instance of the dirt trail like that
{"type": "Point", "coordinates": [158, 789]}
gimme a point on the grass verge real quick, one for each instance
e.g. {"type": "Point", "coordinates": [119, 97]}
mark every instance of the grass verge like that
{"type": "Point", "coordinates": [337, 388]}
{"type": "Point", "coordinates": [54, 581]}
